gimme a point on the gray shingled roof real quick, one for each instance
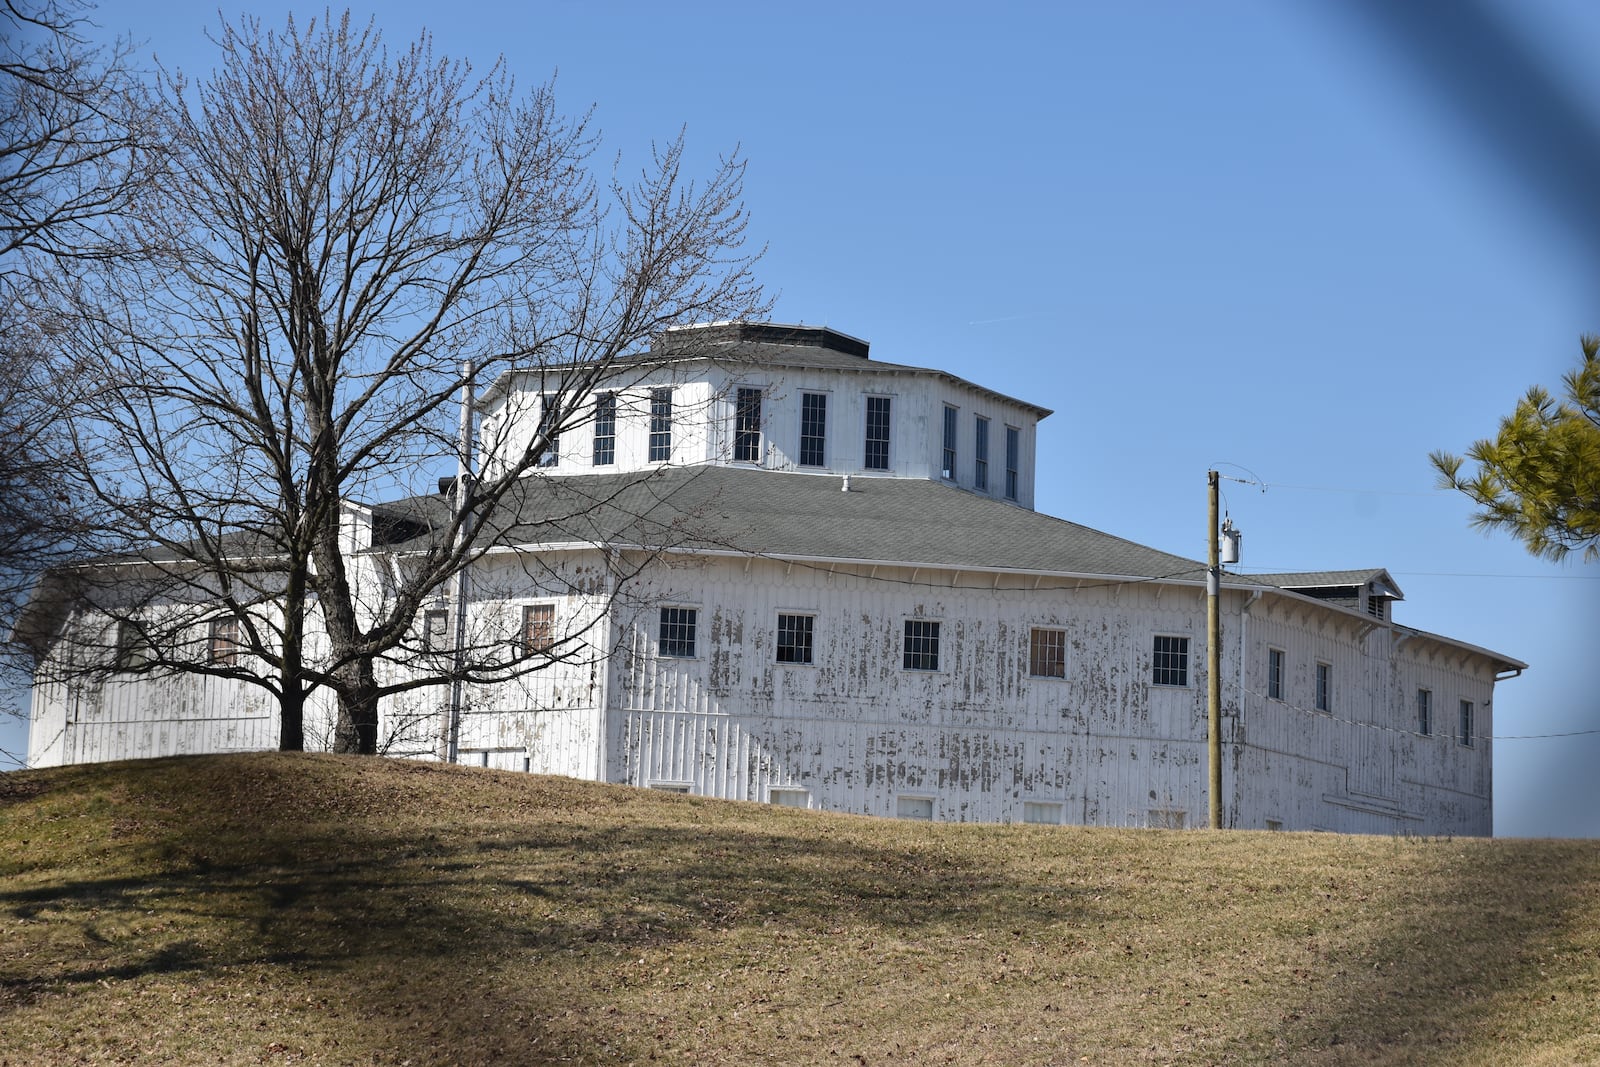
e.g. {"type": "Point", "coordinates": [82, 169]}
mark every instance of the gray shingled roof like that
{"type": "Point", "coordinates": [881, 520]}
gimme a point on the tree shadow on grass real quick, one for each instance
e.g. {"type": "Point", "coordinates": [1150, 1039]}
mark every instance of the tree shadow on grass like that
{"type": "Point", "coordinates": [496, 935]}
{"type": "Point", "coordinates": [1449, 962]}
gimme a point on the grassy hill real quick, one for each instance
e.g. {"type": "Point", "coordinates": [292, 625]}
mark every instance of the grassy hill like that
{"type": "Point", "coordinates": [277, 909]}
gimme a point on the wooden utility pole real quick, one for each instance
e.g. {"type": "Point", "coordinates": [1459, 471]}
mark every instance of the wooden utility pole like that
{"type": "Point", "coordinates": [1213, 654]}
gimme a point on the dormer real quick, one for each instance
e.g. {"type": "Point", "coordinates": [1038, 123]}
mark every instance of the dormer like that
{"type": "Point", "coordinates": [769, 396]}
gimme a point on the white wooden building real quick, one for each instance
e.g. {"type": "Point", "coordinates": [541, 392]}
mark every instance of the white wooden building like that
{"type": "Point", "coordinates": [767, 567]}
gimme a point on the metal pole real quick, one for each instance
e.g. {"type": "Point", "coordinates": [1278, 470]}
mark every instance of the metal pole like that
{"type": "Point", "coordinates": [1213, 655]}
{"type": "Point", "coordinates": [460, 499]}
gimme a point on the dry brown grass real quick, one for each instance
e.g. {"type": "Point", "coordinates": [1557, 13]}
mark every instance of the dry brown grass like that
{"type": "Point", "coordinates": [278, 909]}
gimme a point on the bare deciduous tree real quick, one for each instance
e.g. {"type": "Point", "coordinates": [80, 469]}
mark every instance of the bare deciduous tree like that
{"type": "Point", "coordinates": [339, 231]}
{"type": "Point", "coordinates": [68, 129]}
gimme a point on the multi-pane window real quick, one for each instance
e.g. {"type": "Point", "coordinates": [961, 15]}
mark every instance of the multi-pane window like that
{"type": "Point", "coordinates": [660, 425]}
{"type": "Point", "coordinates": [980, 453]}
{"type": "Point", "coordinates": [550, 426]}
{"type": "Point", "coordinates": [947, 467]}
{"type": "Point", "coordinates": [222, 648]}
{"type": "Point", "coordinates": [813, 430]}
{"type": "Point", "coordinates": [794, 638]}
{"type": "Point", "coordinates": [1464, 726]}
{"type": "Point", "coordinates": [877, 445]}
{"type": "Point", "coordinates": [921, 645]}
{"type": "Point", "coordinates": [133, 647]}
{"type": "Point", "coordinates": [605, 429]}
{"type": "Point", "coordinates": [677, 632]}
{"type": "Point", "coordinates": [1275, 673]}
{"type": "Point", "coordinates": [538, 628]}
{"type": "Point", "coordinates": [1047, 653]}
{"type": "Point", "coordinates": [747, 426]}
{"type": "Point", "coordinates": [436, 630]}
{"type": "Point", "coordinates": [1324, 690]}
{"type": "Point", "coordinates": [1170, 660]}
{"type": "Point", "coordinates": [1013, 458]}
{"type": "Point", "coordinates": [1424, 712]}
{"type": "Point", "coordinates": [1045, 812]}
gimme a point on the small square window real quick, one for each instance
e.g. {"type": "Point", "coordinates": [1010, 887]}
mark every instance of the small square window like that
{"type": "Point", "coordinates": [1275, 673]}
{"type": "Point", "coordinates": [1047, 653]}
{"type": "Point", "coordinates": [436, 630]}
{"type": "Point", "coordinates": [914, 808]}
{"type": "Point", "coordinates": [789, 797]}
{"type": "Point", "coordinates": [1043, 812]}
{"type": "Point", "coordinates": [222, 649]}
{"type": "Point", "coordinates": [921, 651]}
{"type": "Point", "coordinates": [794, 638]}
{"type": "Point", "coordinates": [538, 628]}
{"type": "Point", "coordinates": [133, 646]}
{"type": "Point", "coordinates": [678, 632]}
{"type": "Point", "coordinates": [1170, 661]}
{"type": "Point", "coordinates": [1424, 712]}
{"type": "Point", "coordinates": [1324, 692]}
{"type": "Point", "coordinates": [1464, 734]}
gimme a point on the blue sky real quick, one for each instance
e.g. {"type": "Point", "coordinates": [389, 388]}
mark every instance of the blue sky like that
{"type": "Point", "coordinates": [1271, 238]}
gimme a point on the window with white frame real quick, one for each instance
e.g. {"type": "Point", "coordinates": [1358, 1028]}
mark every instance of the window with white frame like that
{"type": "Point", "coordinates": [789, 796]}
{"type": "Point", "coordinates": [1324, 690]}
{"type": "Point", "coordinates": [947, 467]}
{"type": "Point", "coordinates": [876, 454]}
{"type": "Point", "coordinates": [605, 429]}
{"type": "Point", "coordinates": [1042, 812]}
{"type": "Point", "coordinates": [133, 646]}
{"type": "Point", "coordinates": [1424, 712]}
{"type": "Point", "coordinates": [1013, 460]}
{"type": "Point", "coordinates": [1047, 653]}
{"type": "Point", "coordinates": [813, 430]}
{"type": "Point", "coordinates": [747, 426]}
{"type": "Point", "coordinates": [921, 651]}
{"type": "Point", "coordinates": [914, 808]}
{"type": "Point", "coordinates": [660, 425]}
{"type": "Point", "coordinates": [1275, 673]}
{"type": "Point", "coordinates": [222, 644]}
{"type": "Point", "coordinates": [677, 634]}
{"type": "Point", "coordinates": [550, 426]}
{"type": "Point", "coordinates": [1464, 734]}
{"type": "Point", "coordinates": [436, 630]}
{"type": "Point", "coordinates": [980, 454]}
{"type": "Point", "coordinates": [538, 628]}
{"type": "Point", "coordinates": [794, 638]}
{"type": "Point", "coordinates": [1169, 660]}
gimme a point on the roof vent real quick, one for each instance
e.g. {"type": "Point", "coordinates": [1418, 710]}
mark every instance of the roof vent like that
{"type": "Point", "coordinates": [845, 488]}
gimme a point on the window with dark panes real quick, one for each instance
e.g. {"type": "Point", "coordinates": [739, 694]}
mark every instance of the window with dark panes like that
{"type": "Point", "coordinates": [813, 430]}
{"type": "Point", "coordinates": [794, 638]}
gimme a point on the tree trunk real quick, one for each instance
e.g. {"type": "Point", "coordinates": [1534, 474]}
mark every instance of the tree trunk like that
{"type": "Point", "coordinates": [356, 732]}
{"type": "Point", "coordinates": [292, 719]}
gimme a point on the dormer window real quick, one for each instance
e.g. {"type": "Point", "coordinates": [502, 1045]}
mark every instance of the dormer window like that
{"type": "Point", "coordinates": [813, 430]}
{"type": "Point", "coordinates": [660, 425]}
{"type": "Point", "coordinates": [876, 456]}
{"type": "Point", "coordinates": [747, 427]}
{"type": "Point", "coordinates": [947, 468]}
